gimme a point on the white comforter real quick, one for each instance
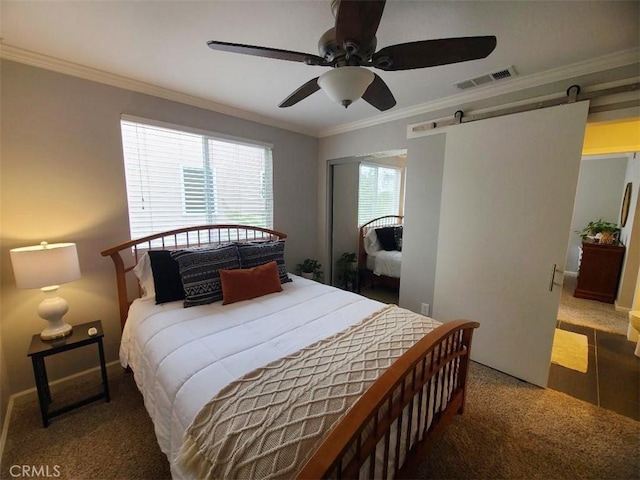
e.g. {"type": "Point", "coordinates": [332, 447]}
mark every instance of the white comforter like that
{"type": "Point", "coordinates": [386, 263]}
{"type": "Point", "coordinates": [181, 357]}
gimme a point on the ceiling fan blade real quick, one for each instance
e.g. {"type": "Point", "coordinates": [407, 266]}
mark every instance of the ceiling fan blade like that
{"type": "Point", "coordinates": [357, 21]}
{"type": "Point", "coordinates": [301, 93]}
{"type": "Point", "coordinates": [307, 58]}
{"type": "Point", "coordinates": [430, 53]}
{"type": "Point", "coordinates": [379, 95]}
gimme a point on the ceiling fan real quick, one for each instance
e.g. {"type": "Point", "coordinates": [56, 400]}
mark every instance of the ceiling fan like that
{"type": "Point", "coordinates": [351, 45]}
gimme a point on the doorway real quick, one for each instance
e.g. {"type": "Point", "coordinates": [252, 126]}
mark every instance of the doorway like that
{"type": "Point", "coordinates": [592, 360]}
{"type": "Point", "coordinates": [606, 372]}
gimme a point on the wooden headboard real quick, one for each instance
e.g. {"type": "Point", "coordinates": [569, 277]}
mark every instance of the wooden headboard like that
{"type": "Point", "coordinates": [385, 221]}
{"type": "Point", "coordinates": [126, 255]}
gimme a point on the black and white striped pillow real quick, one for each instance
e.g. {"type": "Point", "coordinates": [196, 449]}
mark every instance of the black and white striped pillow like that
{"type": "Point", "coordinates": [259, 253]}
{"type": "Point", "coordinates": [200, 272]}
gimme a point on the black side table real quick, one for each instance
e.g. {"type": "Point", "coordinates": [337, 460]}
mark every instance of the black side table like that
{"type": "Point", "coordinates": [40, 349]}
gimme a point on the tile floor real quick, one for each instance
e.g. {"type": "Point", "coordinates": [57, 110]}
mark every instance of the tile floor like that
{"type": "Point", "coordinates": [612, 380]}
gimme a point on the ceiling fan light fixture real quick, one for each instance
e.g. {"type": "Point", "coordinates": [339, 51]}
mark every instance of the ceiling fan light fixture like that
{"type": "Point", "coordinates": [345, 85]}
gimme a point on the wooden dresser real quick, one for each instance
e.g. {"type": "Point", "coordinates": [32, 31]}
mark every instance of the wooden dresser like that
{"type": "Point", "coordinates": [599, 272]}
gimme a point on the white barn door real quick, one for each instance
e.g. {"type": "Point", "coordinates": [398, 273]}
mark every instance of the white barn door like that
{"type": "Point", "coordinates": [507, 200]}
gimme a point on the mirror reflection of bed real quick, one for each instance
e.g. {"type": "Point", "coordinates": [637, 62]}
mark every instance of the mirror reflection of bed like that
{"type": "Point", "coordinates": [380, 258]}
{"type": "Point", "coordinates": [364, 189]}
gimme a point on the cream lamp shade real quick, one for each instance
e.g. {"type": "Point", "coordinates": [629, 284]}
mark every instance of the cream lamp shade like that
{"type": "Point", "coordinates": [46, 266]}
{"type": "Point", "coordinates": [345, 85]}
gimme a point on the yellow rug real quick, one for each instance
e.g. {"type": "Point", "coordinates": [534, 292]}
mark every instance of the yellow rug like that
{"type": "Point", "coordinates": [570, 350]}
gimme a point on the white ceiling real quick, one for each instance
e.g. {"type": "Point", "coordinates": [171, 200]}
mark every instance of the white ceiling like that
{"type": "Point", "coordinates": [163, 43]}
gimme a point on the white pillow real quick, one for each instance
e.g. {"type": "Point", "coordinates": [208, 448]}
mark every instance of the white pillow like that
{"type": "Point", "coordinates": [145, 277]}
{"type": "Point", "coordinates": [371, 243]}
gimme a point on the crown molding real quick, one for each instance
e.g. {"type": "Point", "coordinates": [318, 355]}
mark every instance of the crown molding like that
{"type": "Point", "coordinates": [586, 157]}
{"type": "Point", "coordinates": [607, 62]}
{"type": "Point", "coordinates": [39, 60]}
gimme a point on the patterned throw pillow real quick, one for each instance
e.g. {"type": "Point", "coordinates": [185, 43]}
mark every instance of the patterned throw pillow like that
{"type": "Point", "coordinates": [200, 272]}
{"type": "Point", "coordinates": [397, 234]}
{"type": "Point", "coordinates": [259, 253]}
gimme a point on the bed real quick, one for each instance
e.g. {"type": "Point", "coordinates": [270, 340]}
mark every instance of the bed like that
{"type": "Point", "coordinates": [380, 251]}
{"type": "Point", "coordinates": [217, 368]}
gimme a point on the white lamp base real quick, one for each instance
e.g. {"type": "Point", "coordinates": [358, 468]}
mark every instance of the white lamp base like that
{"type": "Point", "coordinates": [52, 309]}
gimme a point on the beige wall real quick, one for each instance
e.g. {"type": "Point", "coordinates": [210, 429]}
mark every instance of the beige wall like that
{"type": "Point", "coordinates": [630, 237]}
{"type": "Point", "coordinates": [62, 179]}
{"type": "Point", "coordinates": [4, 387]}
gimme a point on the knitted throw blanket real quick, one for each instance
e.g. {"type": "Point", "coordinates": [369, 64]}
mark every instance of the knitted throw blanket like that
{"type": "Point", "coordinates": [268, 423]}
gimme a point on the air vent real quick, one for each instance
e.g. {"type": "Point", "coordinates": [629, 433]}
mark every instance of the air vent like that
{"type": "Point", "coordinates": [502, 74]}
{"type": "Point", "coordinates": [487, 78]}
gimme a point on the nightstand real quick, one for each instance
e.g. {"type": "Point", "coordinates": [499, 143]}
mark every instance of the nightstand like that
{"type": "Point", "coordinates": [40, 349]}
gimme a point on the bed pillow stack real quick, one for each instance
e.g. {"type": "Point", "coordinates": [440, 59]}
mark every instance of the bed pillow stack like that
{"type": "Point", "coordinates": [193, 274]}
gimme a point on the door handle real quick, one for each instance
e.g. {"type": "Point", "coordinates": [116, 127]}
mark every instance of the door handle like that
{"type": "Point", "coordinates": [553, 276]}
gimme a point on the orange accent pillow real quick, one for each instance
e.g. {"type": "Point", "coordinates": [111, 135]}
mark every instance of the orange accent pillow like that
{"type": "Point", "coordinates": [247, 283]}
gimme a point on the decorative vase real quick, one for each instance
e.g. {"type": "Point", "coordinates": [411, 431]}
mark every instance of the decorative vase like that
{"type": "Point", "coordinates": [607, 238]}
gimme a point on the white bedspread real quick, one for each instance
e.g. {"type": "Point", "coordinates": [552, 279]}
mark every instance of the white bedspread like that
{"type": "Point", "coordinates": [385, 262]}
{"type": "Point", "coordinates": [181, 357]}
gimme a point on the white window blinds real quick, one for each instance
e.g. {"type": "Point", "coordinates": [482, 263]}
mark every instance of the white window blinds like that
{"type": "Point", "coordinates": [379, 192]}
{"type": "Point", "coordinates": [177, 179]}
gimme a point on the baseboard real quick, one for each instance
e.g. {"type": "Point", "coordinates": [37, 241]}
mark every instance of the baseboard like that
{"type": "Point", "coordinates": [622, 309]}
{"type": "Point", "coordinates": [5, 426]}
{"type": "Point", "coordinates": [7, 417]}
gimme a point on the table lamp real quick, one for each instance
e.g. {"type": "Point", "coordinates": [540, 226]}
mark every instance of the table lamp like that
{"type": "Point", "coordinates": [47, 266]}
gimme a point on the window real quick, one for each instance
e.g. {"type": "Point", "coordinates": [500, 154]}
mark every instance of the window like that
{"type": "Point", "coordinates": [197, 188]}
{"type": "Point", "coordinates": [379, 192]}
{"type": "Point", "coordinates": [179, 178]}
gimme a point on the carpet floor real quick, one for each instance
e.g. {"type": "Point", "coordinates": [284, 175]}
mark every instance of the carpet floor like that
{"type": "Point", "coordinates": [590, 313]}
{"type": "Point", "coordinates": [510, 429]}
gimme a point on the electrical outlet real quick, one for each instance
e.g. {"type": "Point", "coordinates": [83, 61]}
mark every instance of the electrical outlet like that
{"type": "Point", "coordinates": [425, 309]}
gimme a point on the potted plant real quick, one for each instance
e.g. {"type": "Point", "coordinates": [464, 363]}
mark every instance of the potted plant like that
{"type": "Point", "coordinates": [310, 269]}
{"type": "Point", "coordinates": [600, 231]}
{"type": "Point", "coordinates": [347, 266]}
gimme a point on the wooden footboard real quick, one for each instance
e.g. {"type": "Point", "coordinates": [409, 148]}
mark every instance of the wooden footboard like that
{"type": "Point", "coordinates": [402, 412]}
